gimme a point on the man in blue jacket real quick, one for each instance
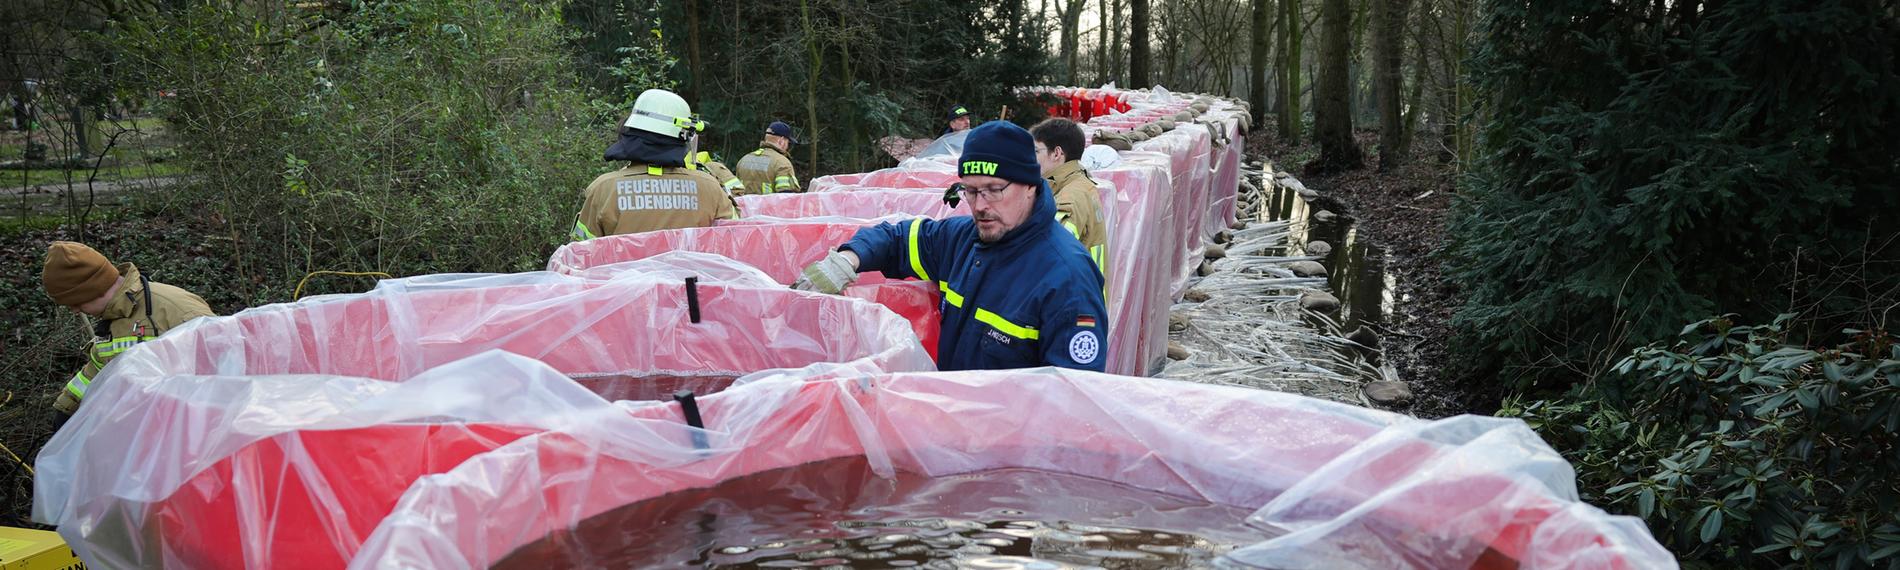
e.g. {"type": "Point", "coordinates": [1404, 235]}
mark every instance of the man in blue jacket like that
{"type": "Point", "coordinates": [1018, 290]}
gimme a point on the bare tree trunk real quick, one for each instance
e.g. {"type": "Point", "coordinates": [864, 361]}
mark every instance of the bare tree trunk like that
{"type": "Point", "coordinates": [1332, 104]}
{"type": "Point", "coordinates": [1467, 134]}
{"type": "Point", "coordinates": [1276, 53]}
{"type": "Point", "coordinates": [692, 52]}
{"type": "Point", "coordinates": [1257, 70]}
{"type": "Point", "coordinates": [816, 61]}
{"type": "Point", "coordinates": [1388, 58]}
{"type": "Point", "coordinates": [1290, 43]}
{"type": "Point", "coordinates": [1138, 44]}
{"type": "Point", "coordinates": [1115, 54]}
{"type": "Point", "coordinates": [1416, 99]}
{"type": "Point", "coordinates": [1071, 17]}
{"type": "Point", "coordinates": [1171, 45]}
{"type": "Point", "coordinates": [854, 138]}
{"type": "Point", "coordinates": [1101, 43]}
{"type": "Point", "coordinates": [734, 45]}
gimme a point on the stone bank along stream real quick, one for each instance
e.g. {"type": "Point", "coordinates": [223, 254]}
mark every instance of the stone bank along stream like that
{"type": "Point", "coordinates": [1295, 300]}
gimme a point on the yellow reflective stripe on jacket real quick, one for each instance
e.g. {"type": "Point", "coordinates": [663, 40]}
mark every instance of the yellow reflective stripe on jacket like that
{"type": "Point", "coordinates": [1100, 254]}
{"type": "Point", "coordinates": [1063, 218]}
{"type": "Point", "coordinates": [733, 184]}
{"type": "Point", "coordinates": [956, 300]}
{"type": "Point", "coordinates": [992, 319]}
{"type": "Point", "coordinates": [1006, 327]}
{"type": "Point", "coordinates": [78, 384]}
{"type": "Point", "coordinates": [655, 170]}
{"type": "Point", "coordinates": [765, 188]}
{"type": "Point", "coordinates": [111, 348]}
{"type": "Point", "coordinates": [581, 232]}
{"type": "Point", "coordinates": [1097, 253]}
{"type": "Point", "coordinates": [916, 259]}
{"type": "Point", "coordinates": [783, 182]}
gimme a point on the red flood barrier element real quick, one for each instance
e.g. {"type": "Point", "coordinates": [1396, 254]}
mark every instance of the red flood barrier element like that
{"type": "Point", "coordinates": [781, 250]}
{"type": "Point", "coordinates": [281, 436]}
{"type": "Point", "coordinates": [1329, 485]}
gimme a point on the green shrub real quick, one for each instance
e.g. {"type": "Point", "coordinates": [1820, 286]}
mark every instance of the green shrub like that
{"type": "Point", "coordinates": [402, 137]}
{"type": "Point", "coordinates": [1738, 448]}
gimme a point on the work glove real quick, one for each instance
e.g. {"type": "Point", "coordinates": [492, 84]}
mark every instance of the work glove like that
{"type": "Point", "coordinates": [830, 275]}
{"type": "Point", "coordinates": [953, 195]}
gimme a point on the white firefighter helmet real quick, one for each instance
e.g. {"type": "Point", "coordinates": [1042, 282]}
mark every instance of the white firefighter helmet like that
{"type": "Point", "coordinates": [663, 112]}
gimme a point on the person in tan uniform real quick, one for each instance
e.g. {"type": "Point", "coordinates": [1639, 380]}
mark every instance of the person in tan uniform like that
{"type": "Point", "coordinates": [1059, 145]}
{"type": "Point", "coordinates": [768, 169]}
{"type": "Point", "coordinates": [659, 189]}
{"type": "Point", "coordinates": [704, 161]}
{"type": "Point", "coordinates": [128, 308]}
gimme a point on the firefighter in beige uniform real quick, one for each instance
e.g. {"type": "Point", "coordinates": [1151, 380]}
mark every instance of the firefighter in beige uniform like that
{"type": "Point", "coordinates": [768, 169]}
{"type": "Point", "coordinates": [129, 309]}
{"type": "Point", "coordinates": [1059, 144]}
{"type": "Point", "coordinates": [718, 170]}
{"type": "Point", "coordinates": [659, 189]}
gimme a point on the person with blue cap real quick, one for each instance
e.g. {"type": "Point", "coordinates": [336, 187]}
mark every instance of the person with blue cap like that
{"type": "Point", "coordinates": [1019, 290]}
{"type": "Point", "coordinates": [959, 119]}
{"type": "Point", "coordinates": [769, 169]}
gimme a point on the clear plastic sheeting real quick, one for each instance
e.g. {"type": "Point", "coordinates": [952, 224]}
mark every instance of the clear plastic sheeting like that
{"type": "Point", "coordinates": [1140, 260]}
{"type": "Point", "coordinates": [1223, 202]}
{"type": "Point", "coordinates": [780, 250]}
{"type": "Point", "coordinates": [280, 437]}
{"type": "Point", "coordinates": [1189, 150]}
{"type": "Point", "coordinates": [677, 265]}
{"type": "Point", "coordinates": [947, 147]}
{"type": "Point", "coordinates": [1331, 485]}
{"type": "Point", "coordinates": [1251, 331]}
{"type": "Point", "coordinates": [918, 173]}
{"type": "Point", "coordinates": [861, 203]}
{"type": "Point", "coordinates": [824, 183]}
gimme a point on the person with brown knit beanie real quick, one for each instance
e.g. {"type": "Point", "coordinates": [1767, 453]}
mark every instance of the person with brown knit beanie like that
{"type": "Point", "coordinates": [126, 307]}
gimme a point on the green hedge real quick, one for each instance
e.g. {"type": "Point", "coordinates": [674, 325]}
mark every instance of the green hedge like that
{"type": "Point", "coordinates": [1742, 450]}
{"type": "Point", "coordinates": [402, 137]}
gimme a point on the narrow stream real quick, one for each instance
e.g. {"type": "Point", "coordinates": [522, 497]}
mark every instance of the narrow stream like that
{"type": "Point", "coordinates": [1356, 269]}
{"type": "Point", "coordinates": [1248, 323]}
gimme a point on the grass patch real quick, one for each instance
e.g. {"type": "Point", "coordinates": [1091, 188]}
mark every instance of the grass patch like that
{"type": "Point", "coordinates": [10, 225]}
{"type": "Point", "coordinates": [142, 150]}
{"type": "Point", "coordinates": [58, 177]}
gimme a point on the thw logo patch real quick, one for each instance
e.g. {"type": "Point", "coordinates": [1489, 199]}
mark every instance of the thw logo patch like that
{"type": "Point", "coordinates": [980, 167]}
{"type": "Point", "coordinates": [1084, 347]}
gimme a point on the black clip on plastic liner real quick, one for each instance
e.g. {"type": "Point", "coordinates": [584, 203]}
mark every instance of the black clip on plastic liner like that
{"type": "Point", "coordinates": [690, 409]}
{"type": "Point", "coordinates": [692, 299]}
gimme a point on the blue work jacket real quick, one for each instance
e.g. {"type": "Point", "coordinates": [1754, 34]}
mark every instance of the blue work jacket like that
{"type": "Point", "coordinates": [1032, 298]}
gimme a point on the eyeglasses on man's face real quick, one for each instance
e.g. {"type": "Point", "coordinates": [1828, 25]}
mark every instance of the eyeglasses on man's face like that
{"type": "Point", "coordinates": [989, 193]}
